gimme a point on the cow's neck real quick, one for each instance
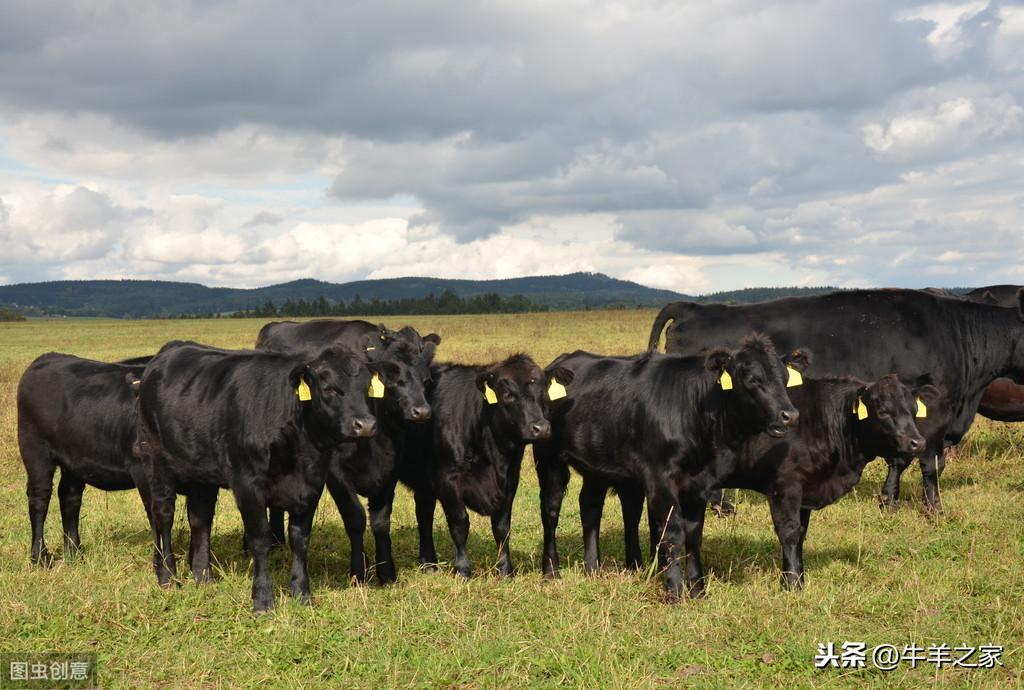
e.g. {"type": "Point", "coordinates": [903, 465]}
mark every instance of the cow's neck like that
{"type": "Point", "coordinates": [497, 435]}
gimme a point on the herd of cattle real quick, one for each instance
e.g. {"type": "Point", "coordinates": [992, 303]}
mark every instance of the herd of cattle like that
{"type": "Point", "coordinates": [790, 398]}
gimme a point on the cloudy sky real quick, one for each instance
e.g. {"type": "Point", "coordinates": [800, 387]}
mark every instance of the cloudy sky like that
{"type": "Point", "coordinates": [696, 146]}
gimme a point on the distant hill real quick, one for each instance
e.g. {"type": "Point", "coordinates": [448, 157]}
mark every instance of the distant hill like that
{"type": "Point", "coordinates": [156, 298]}
{"type": "Point", "coordinates": [142, 298]}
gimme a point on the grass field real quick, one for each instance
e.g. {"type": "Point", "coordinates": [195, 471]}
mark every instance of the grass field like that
{"type": "Point", "coordinates": [872, 577]}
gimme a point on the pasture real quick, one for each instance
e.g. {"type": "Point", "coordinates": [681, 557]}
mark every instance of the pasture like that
{"type": "Point", "coordinates": [872, 577]}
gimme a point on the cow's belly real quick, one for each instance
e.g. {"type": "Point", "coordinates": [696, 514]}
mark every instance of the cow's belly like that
{"type": "Point", "coordinates": [1003, 401]}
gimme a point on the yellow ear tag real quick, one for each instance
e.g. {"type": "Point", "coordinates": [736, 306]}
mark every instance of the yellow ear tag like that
{"type": "Point", "coordinates": [489, 395]}
{"type": "Point", "coordinates": [922, 411]}
{"type": "Point", "coordinates": [725, 381]}
{"type": "Point", "coordinates": [861, 409]}
{"type": "Point", "coordinates": [303, 391]}
{"type": "Point", "coordinates": [795, 379]}
{"type": "Point", "coordinates": [376, 387]}
{"type": "Point", "coordinates": [556, 390]}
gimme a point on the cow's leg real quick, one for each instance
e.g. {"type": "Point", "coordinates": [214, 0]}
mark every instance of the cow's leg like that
{"type": "Point", "coordinates": [140, 476]}
{"type": "Point", "coordinates": [162, 498]}
{"type": "Point", "coordinates": [253, 507]}
{"type": "Point", "coordinates": [933, 462]}
{"type": "Point", "coordinates": [805, 521]}
{"type": "Point", "coordinates": [300, 524]}
{"type": "Point", "coordinates": [665, 510]}
{"type": "Point", "coordinates": [69, 491]}
{"type": "Point", "coordinates": [277, 527]}
{"type": "Point", "coordinates": [201, 504]}
{"type": "Point", "coordinates": [354, 518]}
{"type": "Point", "coordinates": [890, 498]}
{"type": "Point", "coordinates": [380, 524]}
{"type": "Point", "coordinates": [694, 508]}
{"type": "Point", "coordinates": [553, 477]}
{"type": "Point", "coordinates": [632, 500]}
{"type": "Point", "coordinates": [425, 504]}
{"type": "Point", "coordinates": [40, 468]}
{"type": "Point", "coordinates": [458, 527]}
{"type": "Point", "coordinates": [501, 522]}
{"type": "Point", "coordinates": [654, 536]}
{"type": "Point", "coordinates": [720, 505]}
{"type": "Point", "coordinates": [276, 530]}
{"type": "Point", "coordinates": [790, 527]}
{"type": "Point", "coordinates": [592, 496]}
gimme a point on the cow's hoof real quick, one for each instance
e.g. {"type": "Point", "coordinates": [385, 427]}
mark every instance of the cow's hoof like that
{"type": "Point", "coordinates": [43, 560]}
{"type": "Point", "coordinates": [724, 509]}
{"type": "Point", "coordinates": [262, 605]}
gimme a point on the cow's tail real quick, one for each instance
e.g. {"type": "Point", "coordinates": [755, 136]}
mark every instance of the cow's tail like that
{"type": "Point", "coordinates": [667, 313]}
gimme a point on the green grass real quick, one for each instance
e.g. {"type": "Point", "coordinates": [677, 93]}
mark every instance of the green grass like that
{"type": "Point", "coordinates": [872, 577]}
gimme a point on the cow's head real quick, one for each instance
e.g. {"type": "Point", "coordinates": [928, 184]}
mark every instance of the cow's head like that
{"type": "Point", "coordinates": [385, 338]}
{"type": "Point", "coordinates": [405, 376]}
{"type": "Point", "coordinates": [887, 418]}
{"type": "Point", "coordinates": [755, 378]}
{"type": "Point", "coordinates": [516, 390]}
{"type": "Point", "coordinates": [336, 385]}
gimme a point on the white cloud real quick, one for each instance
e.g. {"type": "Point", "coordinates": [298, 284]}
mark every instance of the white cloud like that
{"type": "Point", "coordinates": [948, 36]}
{"type": "Point", "coordinates": [936, 125]}
{"type": "Point", "coordinates": [1007, 49]}
{"type": "Point", "coordinates": [696, 146]}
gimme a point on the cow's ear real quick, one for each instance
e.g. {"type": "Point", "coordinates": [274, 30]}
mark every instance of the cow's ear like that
{"type": "Point", "coordinates": [432, 338]}
{"type": "Point", "coordinates": [388, 371]}
{"type": "Point", "coordinates": [1020, 303]}
{"type": "Point", "coordinates": [930, 394]}
{"type": "Point", "coordinates": [300, 371]}
{"type": "Point", "coordinates": [133, 382]}
{"type": "Point", "coordinates": [370, 345]}
{"type": "Point", "coordinates": [428, 350]}
{"type": "Point", "coordinates": [718, 360]}
{"type": "Point", "coordinates": [562, 374]}
{"type": "Point", "coordinates": [488, 378]}
{"type": "Point", "coordinates": [799, 359]}
{"type": "Point", "coordinates": [385, 336]}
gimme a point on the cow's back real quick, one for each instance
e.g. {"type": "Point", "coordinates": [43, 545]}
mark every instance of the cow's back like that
{"type": "Point", "coordinates": [312, 337]}
{"type": "Point", "coordinates": [870, 334]}
{"type": "Point", "coordinates": [83, 413]}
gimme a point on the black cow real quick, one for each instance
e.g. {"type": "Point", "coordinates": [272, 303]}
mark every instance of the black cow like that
{"type": "Point", "coordinates": [957, 345]}
{"type": "Point", "coordinates": [79, 415]}
{"type": "Point", "coordinates": [471, 451]}
{"type": "Point", "coordinates": [263, 424]}
{"type": "Point", "coordinates": [667, 423]}
{"type": "Point", "coordinates": [1003, 400]}
{"type": "Point", "coordinates": [312, 337]}
{"type": "Point", "coordinates": [844, 425]}
{"type": "Point", "coordinates": [368, 467]}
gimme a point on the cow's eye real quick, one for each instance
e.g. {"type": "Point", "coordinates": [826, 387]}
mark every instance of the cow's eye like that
{"type": "Point", "coordinates": [511, 397]}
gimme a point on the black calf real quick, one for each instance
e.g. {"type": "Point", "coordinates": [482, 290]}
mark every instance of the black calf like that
{"type": "Point", "coordinates": [262, 424]}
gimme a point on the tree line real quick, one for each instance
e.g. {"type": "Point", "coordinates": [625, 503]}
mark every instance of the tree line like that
{"type": "Point", "coordinates": [446, 303]}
